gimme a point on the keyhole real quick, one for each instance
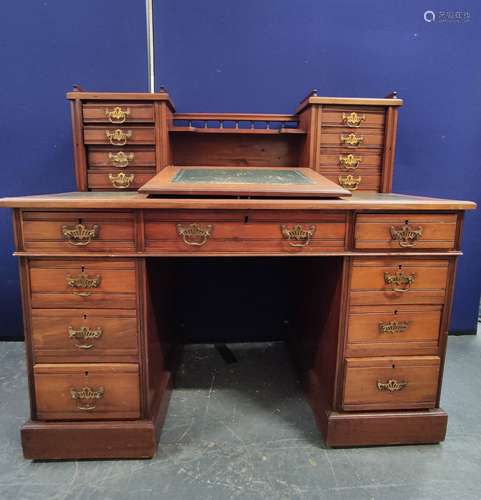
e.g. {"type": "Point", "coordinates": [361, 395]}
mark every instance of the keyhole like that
{"type": "Point", "coordinates": [246, 219]}
{"type": "Point", "coordinates": [395, 311]}
{"type": "Point", "coordinates": [86, 373]}
{"type": "Point", "coordinates": [406, 222]}
{"type": "Point", "coordinates": [400, 266]}
{"type": "Point", "coordinates": [83, 268]}
{"type": "Point", "coordinates": [394, 366]}
{"type": "Point", "coordinates": [80, 221]}
{"type": "Point", "coordinates": [85, 316]}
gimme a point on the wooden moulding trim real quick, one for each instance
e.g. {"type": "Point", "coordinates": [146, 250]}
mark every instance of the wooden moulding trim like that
{"type": "Point", "coordinates": [351, 101]}
{"type": "Point", "coordinates": [381, 202]}
{"type": "Point", "coordinates": [384, 428]}
{"type": "Point", "coordinates": [124, 96]}
{"type": "Point", "coordinates": [262, 117]}
{"type": "Point", "coordinates": [340, 253]}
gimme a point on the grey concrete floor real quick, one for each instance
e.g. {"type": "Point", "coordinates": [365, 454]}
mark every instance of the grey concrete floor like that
{"type": "Point", "coordinates": [244, 431]}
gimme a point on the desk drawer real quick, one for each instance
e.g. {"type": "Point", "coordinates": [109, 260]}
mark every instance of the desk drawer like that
{"type": "Point", "coordinates": [119, 137]}
{"type": "Point", "coordinates": [87, 391]}
{"type": "Point", "coordinates": [352, 117]}
{"type": "Point", "coordinates": [398, 281]}
{"type": "Point", "coordinates": [99, 157]}
{"type": "Point", "coordinates": [84, 335]}
{"type": "Point", "coordinates": [239, 232]}
{"type": "Point", "coordinates": [405, 231]}
{"type": "Point", "coordinates": [126, 180]}
{"type": "Point", "coordinates": [83, 283]}
{"type": "Point", "coordinates": [393, 330]}
{"type": "Point", "coordinates": [352, 139]}
{"type": "Point", "coordinates": [399, 383]}
{"type": "Point", "coordinates": [78, 231]}
{"type": "Point", "coordinates": [117, 113]}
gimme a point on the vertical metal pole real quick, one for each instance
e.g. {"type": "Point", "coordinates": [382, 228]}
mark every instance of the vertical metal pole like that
{"type": "Point", "coordinates": [150, 45]}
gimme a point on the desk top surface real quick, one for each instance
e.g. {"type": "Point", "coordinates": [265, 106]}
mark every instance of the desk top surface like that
{"type": "Point", "coordinates": [134, 200]}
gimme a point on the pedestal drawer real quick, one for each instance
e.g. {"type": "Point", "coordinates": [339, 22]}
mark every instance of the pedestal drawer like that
{"type": "Point", "coordinates": [120, 136]}
{"type": "Point", "coordinates": [405, 231]}
{"type": "Point", "coordinates": [78, 231]}
{"type": "Point", "coordinates": [398, 281]}
{"type": "Point", "coordinates": [83, 283]}
{"type": "Point", "coordinates": [87, 391]}
{"type": "Point", "coordinates": [84, 335]}
{"type": "Point", "coordinates": [396, 383]}
{"type": "Point", "coordinates": [390, 330]}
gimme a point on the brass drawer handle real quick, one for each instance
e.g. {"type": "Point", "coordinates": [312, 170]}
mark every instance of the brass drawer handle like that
{"type": "Point", "coordinates": [398, 281]}
{"type": "Point", "coordinates": [298, 235]}
{"type": "Point", "coordinates": [117, 115]}
{"type": "Point", "coordinates": [391, 385]}
{"type": "Point", "coordinates": [80, 235]}
{"type": "Point", "coordinates": [118, 137]}
{"type": "Point", "coordinates": [406, 235]}
{"type": "Point", "coordinates": [350, 182]}
{"type": "Point", "coordinates": [84, 333]}
{"type": "Point", "coordinates": [121, 180]}
{"type": "Point", "coordinates": [352, 140]}
{"type": "Point", "coordinates": [392, 327]}
{"type": "Point", "coordinates": [120, 159]}
{"type": "Point", "coordinates": [86, 397]}
{"type": "Point", "coordinates": [350, 162]}
{"type": "Point", "coordinates": [353, 119]}
{"type": "Point", "coordinates": [82, 282]}
{"type": "Point", "coordinates": [194, 234]}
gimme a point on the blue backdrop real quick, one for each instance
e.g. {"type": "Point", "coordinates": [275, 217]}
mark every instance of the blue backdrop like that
{"type": "Point", "coordinates": [248, 56]}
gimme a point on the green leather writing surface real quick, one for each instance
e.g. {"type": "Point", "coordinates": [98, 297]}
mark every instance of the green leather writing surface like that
{"type": "Point", "coordinates": [240, 176]}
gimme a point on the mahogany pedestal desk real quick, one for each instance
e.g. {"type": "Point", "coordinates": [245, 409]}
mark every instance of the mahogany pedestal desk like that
{"type": "Point", "coordinates": [369, 279]}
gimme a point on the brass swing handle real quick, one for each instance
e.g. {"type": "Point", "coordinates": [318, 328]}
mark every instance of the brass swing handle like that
{"type": "Point", "coordinates": [391, 385]}
{"type": "Point", "coordinates": [118, 137]}
{"type": "Point", "coordinates": [298, 235]}
{"type": "Point", "coordinates": [406, 235]}
{"type": "Point", "coordinates": [117, 115]}
{"type": "Point", "coordinates": [398, 281]}
{"type": "Point", "coordinates": [394, 326]}
{"type": "Point", "coordinates": [86, 397]}
{"type": "Point", "coordinates": [353, 119]}
{"type": "Point", "coordinates": [84, 333]}
{"type": "Point", "coordinates": [195, 234]}
{"type": "Point", "coordinates": [80, 235]}
{"type": "Point", "coordinates": [82, 282]}
{"type": "Point", "coordinates": [352, 140]}
{"type": "Point", "coordinates": [121, 159]}
{"type": "Point", "coordinates": [121, 180]}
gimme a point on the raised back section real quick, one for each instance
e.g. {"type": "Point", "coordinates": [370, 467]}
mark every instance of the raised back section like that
{"type": "Point", "coordinates": [122, 139]}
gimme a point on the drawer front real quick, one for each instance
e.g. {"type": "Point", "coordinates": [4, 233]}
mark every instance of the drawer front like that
{"type": "Point", "coordinates": [117, 113]}
{"type": "Point", "coordinates": [388, 330]}
{"type": "Point", "coordinates": [400, 383]}
{"type": "Point", "coordinates": [353, 117]}
{"type": "Point", "coordinates": [350, 162]}
{"type": "Point", "coordinates": [114, 158]}
{"type": "Point", "coordinates": [405, 231]}
{"type": "Point", "coordinates": [87, 391]}
{"type": "Point", "coordinates": [358, 181]}
{"type": "Point", "coordinates": [236, 232]}
{"type": "Point", "coordinates": [129, 179]}
{"type": "Point", "coordinates": [120, 137]}
{"type": "Point", "coordinates": [78, 231]}
{"type": "Point", "coordinates": [83, 283]}
{"type": "Point", "coordinates": [84, 335]}
{"type": "Point", "coordinates": [398, 281]}
{"type": "Point", "coordinates": [349, 139]}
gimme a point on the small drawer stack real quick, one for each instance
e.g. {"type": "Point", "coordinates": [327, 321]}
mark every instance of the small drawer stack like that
{"type": "Point", "coordinates": [394, 331]}
{"type": "Point", "coordinates": [352, 146]}
{"type": "Point", "coordinates": [84, 317]}
{"type": "Point", "coordinates": [120, 142]}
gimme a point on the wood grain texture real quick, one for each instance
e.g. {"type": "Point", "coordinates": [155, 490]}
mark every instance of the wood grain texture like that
{"type": "Point", "coordinates": [119, 384]}
{"type": "Point", "coordinates": [363, 375]}
{"type": "Point", "coordinates": [134, 113]}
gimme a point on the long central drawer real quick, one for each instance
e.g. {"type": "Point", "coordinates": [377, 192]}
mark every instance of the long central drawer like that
{"type": "Point", "coordinates": [236, 231]}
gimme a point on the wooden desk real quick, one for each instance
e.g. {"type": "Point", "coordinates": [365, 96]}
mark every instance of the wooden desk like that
{"type": "Point", "coordinates": [373, 280]}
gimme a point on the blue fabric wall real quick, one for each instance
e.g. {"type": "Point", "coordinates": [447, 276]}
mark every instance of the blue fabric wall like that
{"type": "Point", "coordinates": [246, 56]}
